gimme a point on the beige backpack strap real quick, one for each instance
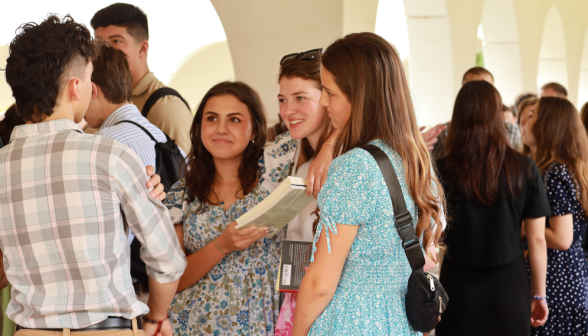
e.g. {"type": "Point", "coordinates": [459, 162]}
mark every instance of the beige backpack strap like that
{"type": "Point", "coordinates": [135, 328]}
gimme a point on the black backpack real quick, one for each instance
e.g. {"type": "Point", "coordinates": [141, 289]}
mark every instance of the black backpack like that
{"type": "Point", "coordinates": [168, 159]}
{"type": "Point", "coordinates": [158, 94]}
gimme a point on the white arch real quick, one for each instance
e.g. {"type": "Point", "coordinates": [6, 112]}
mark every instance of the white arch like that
{"type": "Point", "coordinates": [391, 25]}
{"type": "Point", "coordinates": [431, 60]}
{"type": "Point", "coordinates": [583, 85]}
{"type": "Point", "coordinates": [5, 93]}
{"type": "Point", "coordinates": [502, 54]}
{"type": "Point", "coordinates": [202, 69]}
{"type": "Point", "coordinates": [553, 65]}
{"type": "Point", "coordinates": [176, 27]}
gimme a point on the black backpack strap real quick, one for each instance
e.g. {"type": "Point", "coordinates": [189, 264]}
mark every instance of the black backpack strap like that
{"type": "Point", "coordinates": [160, 93]}
{"type": "Point", "coordinates": [141, 127]}
{"type": "Point", "coordinates": [406, 230]}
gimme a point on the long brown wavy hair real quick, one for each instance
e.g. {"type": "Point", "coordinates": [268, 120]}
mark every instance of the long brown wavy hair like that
{"type": "Point", "coordinates": [200, 170]}
{"type": "Point", "coordinates": [560, 137]}
{"type": "Point", "coordinates": [368, 70]}
{"type": "Point", "coordinates": [583, 115]}
{"type": "Point", "coordinates": [477, 146]}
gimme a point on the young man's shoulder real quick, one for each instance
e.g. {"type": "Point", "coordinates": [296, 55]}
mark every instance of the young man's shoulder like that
{"type": "Point", "coordinates": [125, 131]}
{"type": "Point", "coordinates": [105, 144]}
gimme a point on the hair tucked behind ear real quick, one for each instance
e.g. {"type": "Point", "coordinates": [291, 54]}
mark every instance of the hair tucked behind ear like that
{"type": "Point", "coordinates": [368, 70]}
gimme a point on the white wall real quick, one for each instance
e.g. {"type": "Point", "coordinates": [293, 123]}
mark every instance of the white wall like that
{"type": "Point", "coordinates": [261, 32]}
{"type": "Point", "coordinates": [502, 55]}
{"type": "Point", "coordinates": [5, 93]}
{"type": "Point", "coordinates": [431, 60]}
{"type": "Point", "coordinates": [583, 85]}
{"type": "Point", "coordinates": [553, 65]}
{"type": "Point", "coordinates": [201, 70]}
{"type": "Point", "coordinates": [176, 28]}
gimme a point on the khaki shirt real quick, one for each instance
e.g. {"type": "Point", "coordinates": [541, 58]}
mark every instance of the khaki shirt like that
{"type": "Point", "coordinates": [169, 113]}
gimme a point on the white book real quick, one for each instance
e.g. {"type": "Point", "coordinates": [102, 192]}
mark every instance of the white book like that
{"type": "Point", "coordinates": [279, 207]}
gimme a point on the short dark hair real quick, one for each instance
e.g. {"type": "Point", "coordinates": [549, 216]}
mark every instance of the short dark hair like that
{"type": "Point", "coordinates": [41, 57]}
{"type": "Point", "coordinates": [477, 71]}
{"type": "Point", "coordinates": [560, 89]}
{"type": "Point", "coordinates": [505, 108]}
{"type": "Point", "coordinates": [112, 74]}
{"type": "Point", "coordinates": [123, 15]}
{"type": "Point", "coordinates": [521, 97]}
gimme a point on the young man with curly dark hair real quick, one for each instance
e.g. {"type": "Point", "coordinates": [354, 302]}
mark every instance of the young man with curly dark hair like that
{"type": "Point", "coordinates": [125, 27]}
{"type": "Point", "coordinates": [62, 231]}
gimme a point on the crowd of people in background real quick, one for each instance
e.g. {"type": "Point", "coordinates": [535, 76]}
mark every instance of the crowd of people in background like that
{"type": "Point", "coordinates": [93, 240]}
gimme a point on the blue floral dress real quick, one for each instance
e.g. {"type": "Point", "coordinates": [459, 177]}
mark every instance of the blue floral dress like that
{"type": "Point", "coordinates": [567, 271]}
{"type": "Point", "coordinates": [237, 297]}
{"type": "Point", "coordinates": [370, 296]}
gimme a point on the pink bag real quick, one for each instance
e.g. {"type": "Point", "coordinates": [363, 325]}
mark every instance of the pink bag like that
{"type": "Point", "coordinates": [285, 321]}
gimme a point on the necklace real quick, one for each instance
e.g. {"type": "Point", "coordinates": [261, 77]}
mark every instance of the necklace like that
{"type": "Point", "coordinates": [227, 194]}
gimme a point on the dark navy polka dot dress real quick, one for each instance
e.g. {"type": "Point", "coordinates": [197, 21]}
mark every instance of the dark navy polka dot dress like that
{"type": "Point", "coordinates": [567, 271]}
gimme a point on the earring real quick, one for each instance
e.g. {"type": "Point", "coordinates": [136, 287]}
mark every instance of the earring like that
{"type": "Point", "coordinates": [252, 140]}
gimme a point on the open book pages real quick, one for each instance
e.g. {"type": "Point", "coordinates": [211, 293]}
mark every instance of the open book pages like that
{"type": "Point", "coordinates": [293, 262]}
{"type": "Point", "coordinates": [279, 208]}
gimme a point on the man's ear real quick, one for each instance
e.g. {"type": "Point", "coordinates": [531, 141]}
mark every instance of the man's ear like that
{"type": "Point", "coordinates": [95, 91]}
{"type": "Point", "coordinates": [143, 48]}
{"type": "Point", "coordinates": [73, 88]}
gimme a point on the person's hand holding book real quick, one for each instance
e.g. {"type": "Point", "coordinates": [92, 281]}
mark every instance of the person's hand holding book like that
{"type": "Point", "coordinates": [236, 240]}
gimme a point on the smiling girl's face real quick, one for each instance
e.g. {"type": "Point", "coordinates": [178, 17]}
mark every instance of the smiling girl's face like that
{"type": "Point", "coordinates": [528, 137]}
{"type": "Point", "coordinates": [227, 127]}
{"type": "Point", "coordinates": [338, 107]}
{"type": "Point", "coordinates": [300, 109]}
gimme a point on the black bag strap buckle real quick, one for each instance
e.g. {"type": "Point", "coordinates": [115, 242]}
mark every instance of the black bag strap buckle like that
{"type": "Point", "coordinates": [403, 218]}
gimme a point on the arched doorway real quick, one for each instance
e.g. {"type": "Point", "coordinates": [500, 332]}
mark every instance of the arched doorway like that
{"type": "Point", "coordinates": [202, 69]}
{"type": "Point", "coordinates": [583, 85]}
{"type": "Point", "coordinates": [553, 65]}
{"type": "Point", "coordinates": [502, 55]}
{"type": "Point", "coordinates": [423, 39]}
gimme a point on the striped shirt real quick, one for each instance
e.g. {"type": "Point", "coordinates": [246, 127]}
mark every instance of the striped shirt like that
{"type": "Point", "coordinates": [131, 135]}
{"type": "Point", "coordinates": [61, 227]}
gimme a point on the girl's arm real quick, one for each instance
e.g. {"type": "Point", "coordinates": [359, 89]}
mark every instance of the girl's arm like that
{"type": "Point", "coordinates": [560, 233]}
{"type": "Point", "coordinates": [319, 167]}
{"type": "Point", "coordinates": [535, 229]}
{"type": "Point", "coordinates": [430, 263]}
{"type": "Point", "coordinates": [321, 280]}
{"type": "Point", "coordinates": [202, 261]}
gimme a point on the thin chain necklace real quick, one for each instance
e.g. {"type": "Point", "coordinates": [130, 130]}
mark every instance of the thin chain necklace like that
{"type": "Point", "coordinates": [227, 194]}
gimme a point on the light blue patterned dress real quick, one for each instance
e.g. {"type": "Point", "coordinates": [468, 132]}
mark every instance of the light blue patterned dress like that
{"type": "Point", "coordinates": [237, 297]}
{"type": "Point", "coordinates": [370, 296]}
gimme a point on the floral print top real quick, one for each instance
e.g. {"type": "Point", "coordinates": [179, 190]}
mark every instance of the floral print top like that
{"type": "Point", "coordinates": [370, 296]}
{"type": "Point", "coordinates": [237, 297]}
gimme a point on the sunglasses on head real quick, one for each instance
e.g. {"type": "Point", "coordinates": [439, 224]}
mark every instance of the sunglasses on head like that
{"type": "Point", "coordinates": [305, 55]}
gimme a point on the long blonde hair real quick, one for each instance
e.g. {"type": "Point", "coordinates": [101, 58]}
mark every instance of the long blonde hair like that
{"type": "Point", "coordinates": [369, 72]}
{"type": "Point", "coordinates": [561, 137]}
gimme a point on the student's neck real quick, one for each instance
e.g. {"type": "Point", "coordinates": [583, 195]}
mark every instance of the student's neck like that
{"type": "Point", "coordinates": [227, 171]}
{"type": "Point", "coordinates": [59, 112]}
{"type": "Point", "coordinates": [139, 73]}
{"type": "Point", "coordinates": [109, 108]}
{"type": "Point", "coordinates": [533, 150]}
{"type": "Point", "coordinates": [313, 139]}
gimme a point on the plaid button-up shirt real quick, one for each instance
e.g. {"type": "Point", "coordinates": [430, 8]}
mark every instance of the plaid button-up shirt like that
{"type": "Point", "coordinates": [63, 197]}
